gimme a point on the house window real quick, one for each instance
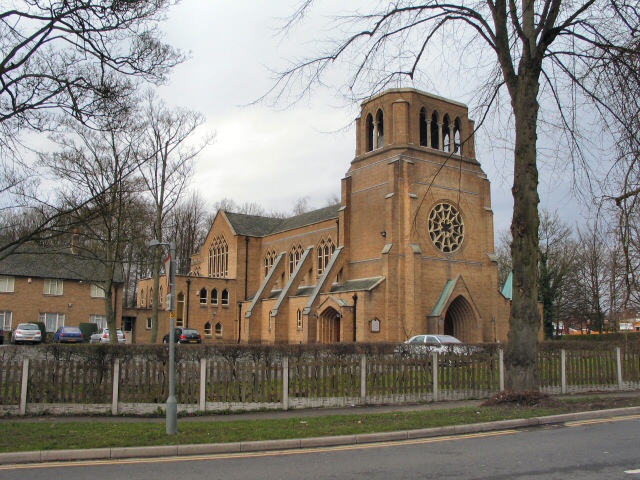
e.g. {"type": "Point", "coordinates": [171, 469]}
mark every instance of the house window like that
{"type": "Point", "coordinates": [214, 296]}
{"type": "Point", "coordinates": [207, 329]}
{"type": "Point", "coordinates": [218, 329]}
{"type": "Point", "coordinates": [97, 291]}
{"type": "Point", "coordinates": [52, 321]}
{"type": "Point", "coordinates": [269, 259]}
{"type": "Point", "coordinates": [149, 323]}
{"type": "Point", "coordinates": [160, 297]}
{"type": "Point", "coordinates": [142, 298]}
{"type": "Point", "coordinates": [151, 297]}
{"type": "Point", "coordinates": [99, 320]}
{"type": "Point", "coordinates": [203, 296]}
{"type": "Point", "coordinates": [52, 286]}
{"type": "Point", "coordinates": [225, 297]}
{"type": "Point", "coordinates": [299, 320]}
{"type": "Point", "coordinates": [5, 320]}
{"type": "Point", "coordinates": [325, 250]}
{"type": "Point", "coordinates": [7, 284]}
{"type": "Point", "coordinates": [219, 258]}
{"type": "Point", "coordinates": [294, 257]}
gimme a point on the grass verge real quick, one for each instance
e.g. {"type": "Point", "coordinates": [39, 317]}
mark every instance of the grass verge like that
{"type": "Point", "coordinates": [21, 436]}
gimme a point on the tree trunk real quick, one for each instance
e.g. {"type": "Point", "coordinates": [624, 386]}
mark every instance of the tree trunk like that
{"type": "Point", "coordinates": [524, 322]}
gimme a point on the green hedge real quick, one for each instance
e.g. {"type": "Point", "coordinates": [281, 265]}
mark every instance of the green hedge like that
{"type": "Point", "coordinates": [606, 337]}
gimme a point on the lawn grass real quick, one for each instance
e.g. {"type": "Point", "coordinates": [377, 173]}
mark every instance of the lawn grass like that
{"type": "Point", "coordinates": [20, 436]}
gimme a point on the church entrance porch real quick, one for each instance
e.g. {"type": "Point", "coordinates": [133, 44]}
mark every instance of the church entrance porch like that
{"type": "Point", "coordinates": [329, 326]}
{"type": "Point", "coordinates": [459, 320]}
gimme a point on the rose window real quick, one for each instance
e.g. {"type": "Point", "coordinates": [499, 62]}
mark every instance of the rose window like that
{"type": "Point", "coordinates": [446, 227]}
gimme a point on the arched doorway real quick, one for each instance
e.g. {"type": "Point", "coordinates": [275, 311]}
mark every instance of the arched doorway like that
{"type": "Point", "coordinates": [329, 326]}
{"type": "Point", "coordinates": [459, 321]}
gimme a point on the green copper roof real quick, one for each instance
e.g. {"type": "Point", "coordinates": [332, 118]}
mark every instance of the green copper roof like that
{"type": "Point", "coordinates": [507, 290]}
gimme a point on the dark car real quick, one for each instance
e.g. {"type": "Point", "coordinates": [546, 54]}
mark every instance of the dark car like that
{"type": "Point", "coordinates": [184, 335]}
{"type": "Point", "coordinates": [68, 335]}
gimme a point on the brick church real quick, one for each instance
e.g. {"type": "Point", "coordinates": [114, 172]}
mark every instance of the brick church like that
{"type": "Point", "coordinates": [409, 250]}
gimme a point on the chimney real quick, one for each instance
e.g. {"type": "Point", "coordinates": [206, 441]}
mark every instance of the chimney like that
{"type": "Point", "coordinates": [75, 242]}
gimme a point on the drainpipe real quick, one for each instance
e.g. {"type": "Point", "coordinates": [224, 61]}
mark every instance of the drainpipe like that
{"type": "Point", "coordinates": [239, 322]}
{"type": "Point", "coordinates": [246, 267]}
{"type": "Point", "coordinates": [355, 307]}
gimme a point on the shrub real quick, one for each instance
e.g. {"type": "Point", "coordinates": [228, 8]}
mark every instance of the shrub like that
{"type": "Point", "coordinates": [87, 330]}
{"type": "Point", "coordinates": [43, 331]}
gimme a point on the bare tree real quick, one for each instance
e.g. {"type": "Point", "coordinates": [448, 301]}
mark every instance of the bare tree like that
{"type": "Point", "coordinates": [69, 58]}
{"type": "Point", "coordinates": [537, 50]}
{"type": "Point", "coordinates": [187, 223]}
{"type": "Point", "coordinates": [594, 275]}
{"type": "Point", "coordinates": [167, 160]}
{"type": "Point", "coordinates": [101, 165]}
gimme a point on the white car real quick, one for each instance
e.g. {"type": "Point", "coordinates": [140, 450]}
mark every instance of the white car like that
{"type": "Point", "coordinates": [432, 343]}
{"type": "Point", "coordinates": [102, 336]}
{"type": "Point", "coordinates": [26, 333]}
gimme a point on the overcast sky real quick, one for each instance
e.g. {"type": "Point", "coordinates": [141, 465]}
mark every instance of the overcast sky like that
{"type": "Point", "coordinates": [274, 157]}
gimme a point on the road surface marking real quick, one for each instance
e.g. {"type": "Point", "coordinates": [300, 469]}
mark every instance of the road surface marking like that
{"type": "Point", "coordinates": [601, 420]}
{"type": "Point", "coordinates": [273, 453]}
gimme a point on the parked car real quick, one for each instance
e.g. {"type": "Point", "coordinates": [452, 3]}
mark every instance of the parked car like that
{"type": "Point", "coordinates": [68, 335]}
{"type": "Point", "coordinates": [26, 333]}
{"type": "Point", "coordinates": [102, 336]}
{"type": "Point", "coordinates": [184, 335]}
{"type": "Point", "coordinates": [432, 343]}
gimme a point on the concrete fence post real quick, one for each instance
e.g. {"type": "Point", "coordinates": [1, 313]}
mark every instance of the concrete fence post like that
{"type": "Point", "coordinates": [434, 374]}
{"type": "Point", "coordinates": [203, 385]}
{"type": "Point", "coordinates": [619, 366]}
{"type": "Point", "coordinates": [115, 387]}
{"type": "Point", "coordinates": [285, 383]}
{"type": "Point", "coordinates": [24, 387]}
{"type": "Point", "coordinates": [563, 371]}
{"type": "Point", "coordinates": [501, 368]}
{"type": "Point", "coordinates": [363, 379]}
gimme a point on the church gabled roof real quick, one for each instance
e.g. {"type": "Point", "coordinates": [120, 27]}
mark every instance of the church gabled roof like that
{"type": "Point", "coordinates": [257, 226]}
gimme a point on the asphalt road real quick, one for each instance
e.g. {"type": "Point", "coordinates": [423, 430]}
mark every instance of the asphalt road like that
{"type": "Point", "coordinates": [589, 450]}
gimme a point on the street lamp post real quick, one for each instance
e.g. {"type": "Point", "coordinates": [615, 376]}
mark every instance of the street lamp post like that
{"type": "Point", "coordinates": [172, 404]}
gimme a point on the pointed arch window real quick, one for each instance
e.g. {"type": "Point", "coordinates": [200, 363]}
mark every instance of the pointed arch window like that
{"type": "Point", "coordinates": [435, 131]}
{"type": "Point", "coordinates": [424, 128]}
{"type": "Point", "coordinates": [369, 127]}
{"type": "Point", "coordinates": [299, 320]}
{"type": "Point", "coordinates": [207, 329]}
{"type": "Point", "coordinates": [219, 258]}
{"type": "Point", "coordinates": [214, 296]}
{"type": "Point", "coordinates": [203, 296]}
{"type": "Point", "coordinates": [180, 310]}
{"type": "Point", "coordinates": [379, 131]}
{"type": "Point", "coordinates": [325, 250]}
{"type": "Point", "coordinates": [295, 254]}
{"type": "Point", "coordinates": [446, 134]}
{"type": "Point", "coordinates": [219, 329]}
{"type": "Point", "coordinates": [225, 297]}
{"type": "Point", "coordinates": [269, 259]}
{"type": "Point", "coordinates": [160, 297]}
{"type": "Point", "coordinates": [142, 298]}
{"type": "Point", "coordinates": [457, 134]}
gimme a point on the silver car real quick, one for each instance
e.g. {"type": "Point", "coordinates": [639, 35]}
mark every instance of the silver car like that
{"type": "Point", "coordinates": [102, 336]}
{"type": "Point", "coordinates": [26, 333]}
